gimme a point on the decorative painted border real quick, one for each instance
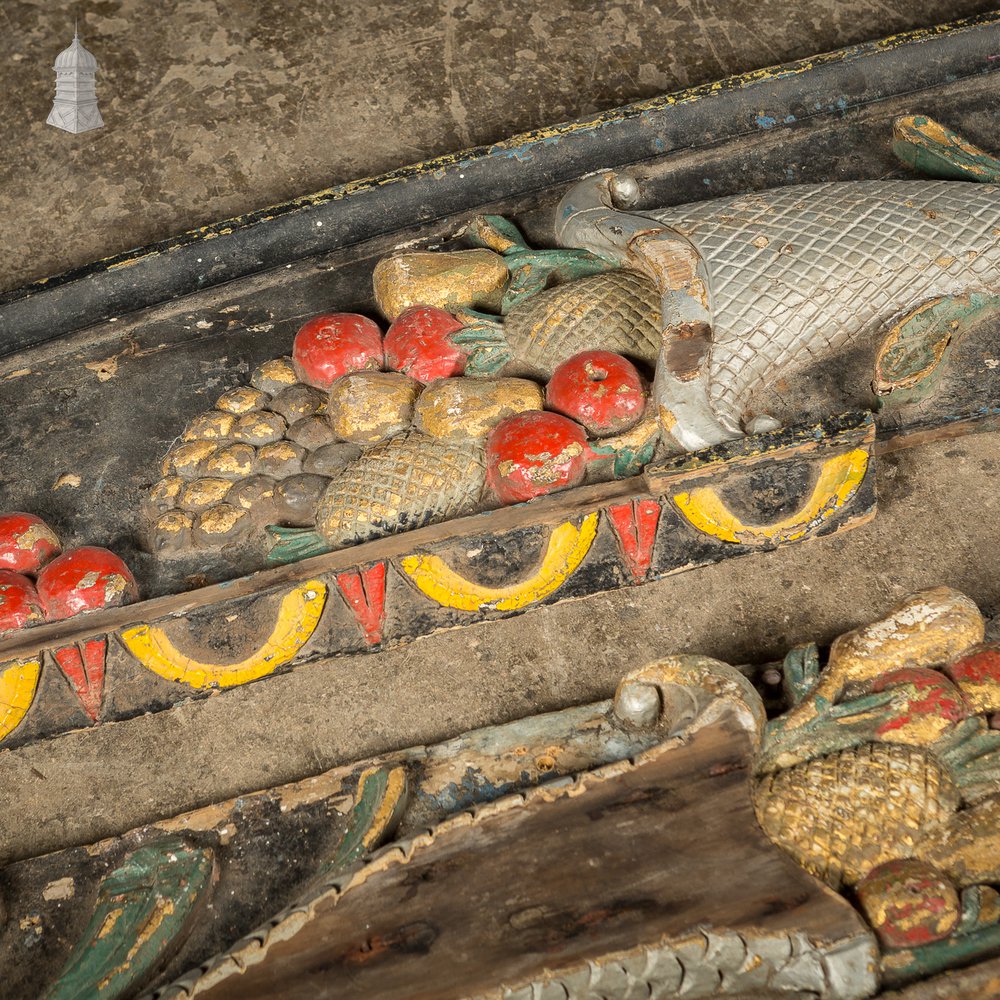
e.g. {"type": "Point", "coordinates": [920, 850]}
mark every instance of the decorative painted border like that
{"type": "Point", "coordinates": [674, 517]}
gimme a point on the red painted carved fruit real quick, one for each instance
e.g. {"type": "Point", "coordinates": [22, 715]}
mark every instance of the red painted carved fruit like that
{"type": "Point", "coordinates": [26, 543]}
{"type": "Point", "coordinates": [601, 390]}
{"type": "Point", "coordinates": [85, 579]}
{"type": "Point", "coordinates": [534, 453]}
{"type": "Point", "coordinates": [925, 705]}
{"type": "Point", "coordinates": [978, 675]}
{"type": "Point", "coordinates": [19, 602]}
{"type": "Point", "coordinates": [419, 343]}
{"type": "Point", "coordinates": [908, 903]}
{"type": "Point", "coordinates": [334, 344]}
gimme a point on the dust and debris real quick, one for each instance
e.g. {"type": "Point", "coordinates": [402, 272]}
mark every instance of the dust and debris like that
{"type": "Point", "coordinates": [104, 370]}
{"type": "Point", "coordinates": [32, 922]}
{"type": "Point", "coordinates": [204, 324]}
{"type": "Point", "coordinates": [67, 479]}
{"type": "Point", "coordinates": [61, 888]}
{"type": "Point", "coordinates": [992, 363]}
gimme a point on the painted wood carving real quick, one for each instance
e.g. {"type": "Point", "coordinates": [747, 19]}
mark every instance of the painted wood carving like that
{"type": "Point", "coordinates": [669, 841]}
{"type": "Point", "coordinates": [680, 513]}
{"type": "Point", "coordinates": [477, 418]}
{"type": "Point", "coordinates": [395, 868]}
{"type": "Point", "coordinates": [520, 430]}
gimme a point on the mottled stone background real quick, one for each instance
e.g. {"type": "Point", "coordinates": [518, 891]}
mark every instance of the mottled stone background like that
{"type": "Point", "coordinates": [216, 108]}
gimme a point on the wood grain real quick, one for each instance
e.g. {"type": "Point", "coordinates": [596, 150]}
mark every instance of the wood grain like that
{"type": "Point", "coordinates": [658, 851]}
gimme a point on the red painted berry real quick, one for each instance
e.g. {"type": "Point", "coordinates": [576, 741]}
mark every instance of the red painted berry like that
{"type": "Point", "coordinates": [419, 343]}
{"type": "Point", "coordinates": [85, 579]}
{"type": "Point", "coordinates": [26, 543]}
{"type": "Point", "coordinates": [534, 453]}
{"type": "Point", "coordinates": [599, 389]}
{"type": "Point", "coordinates": [19, 602]}
{"type": "Point", "coordinates": [909, 903]}
{"type": "Point", "coordinates": [334, 344]}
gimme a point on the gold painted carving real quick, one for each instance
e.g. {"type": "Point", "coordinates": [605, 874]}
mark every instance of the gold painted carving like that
{"type": "Point", "coordinates": [566, 549]}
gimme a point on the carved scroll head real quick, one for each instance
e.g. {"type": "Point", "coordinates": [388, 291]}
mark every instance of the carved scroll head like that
{"type": "Point", "coordinates": [685, 692]}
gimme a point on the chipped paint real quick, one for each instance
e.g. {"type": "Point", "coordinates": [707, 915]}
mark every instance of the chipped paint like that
{"type": "Point", "coordinates": [60, 888]}
{"type": "Point", "coordinates": [104, 370]}
{"type": "Point", "coordinates": [565, 551]}
{"type": "Point", "coordinates": [298, 617]}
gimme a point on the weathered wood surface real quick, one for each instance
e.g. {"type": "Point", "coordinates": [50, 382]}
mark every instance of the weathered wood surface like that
{"type": "Point", "coordinates": [268, 846]}
{"type": "Point", "coordinates": [96, 399]}
{"type": "Point", "coordinates": [626, 860]}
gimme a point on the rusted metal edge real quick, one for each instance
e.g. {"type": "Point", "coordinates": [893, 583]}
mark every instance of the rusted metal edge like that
{"type": "Point", "coordinates": [346, 214]}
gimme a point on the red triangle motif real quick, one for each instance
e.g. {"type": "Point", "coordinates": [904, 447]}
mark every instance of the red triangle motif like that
{"type": "Point", "coordinates": [83, 666]}
{"type": "Point", "coordinates": [364, 592]}
{"type": "Point", "coordinates": [634, 525]}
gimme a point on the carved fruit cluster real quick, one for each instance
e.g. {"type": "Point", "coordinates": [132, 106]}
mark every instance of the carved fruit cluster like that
{"type": "Point", "coordinates": [38, 584]}
{"type": "Point", "coordinates": [330, 438]}
{"type": "Point", "coordinates": [269, 451]}
{"type": "Point", "coordinates": [594, 392]}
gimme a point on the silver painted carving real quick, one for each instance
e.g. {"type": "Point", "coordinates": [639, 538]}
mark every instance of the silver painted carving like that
{"type": "Point", "coordinates": [770, 283]}
{"type": "Point", "coordinates": [75, 106]}
{"type": "Point", "coordinates": [719, 964]}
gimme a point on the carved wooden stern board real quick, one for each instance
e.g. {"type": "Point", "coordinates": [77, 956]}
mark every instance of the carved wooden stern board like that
{"type": "Point", "coordinates": [639, 879]}
{"type": "Point", "coordinates": [752, 495]}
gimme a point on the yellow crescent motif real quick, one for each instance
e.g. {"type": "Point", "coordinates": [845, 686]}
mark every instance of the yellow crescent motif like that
{"type": "Point", "coordinates": [566, 549]}
{"type": "Point", "coordinates": [838, 481]}
{"type": "Point", "coordinates": [18, 683]}
{"type": "Point", "coordinates": [298, 617]}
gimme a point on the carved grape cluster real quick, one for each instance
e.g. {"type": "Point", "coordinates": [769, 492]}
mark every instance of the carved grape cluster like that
{"type": "Point", "coordinates": [266, 452]}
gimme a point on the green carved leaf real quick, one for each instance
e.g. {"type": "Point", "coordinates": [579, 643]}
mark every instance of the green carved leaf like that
{"type": "Point", "coordinates": [142, 914]}
{"type": "Point", "coordinates": [292, 544]}
{"type": "Point", "coordinates": [482, 338]}
{"type": "Point", "coordinates": [494, 232]}
{"type": "Point", "coordinates": [800, 672]}
{"type": "Point", "coordinates": [532, 271]}
{"type": "Point", "coordinates": [914, 351]}
{"type": "Point", "coordinates": [378, 805]}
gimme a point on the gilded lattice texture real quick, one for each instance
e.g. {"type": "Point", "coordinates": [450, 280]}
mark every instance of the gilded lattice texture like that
{"type": "Point", "coordinates": [797, 272]}
{"type": "Point", "coordinates": [839, 816]}
{"type": "Point", "coordinates": [617, 311]}
{"type": "Point", "coordinates": [405, 482]}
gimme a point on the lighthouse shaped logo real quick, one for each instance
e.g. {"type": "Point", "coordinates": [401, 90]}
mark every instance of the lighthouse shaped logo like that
{"type": "Point", "coordinates": [75, 106]}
